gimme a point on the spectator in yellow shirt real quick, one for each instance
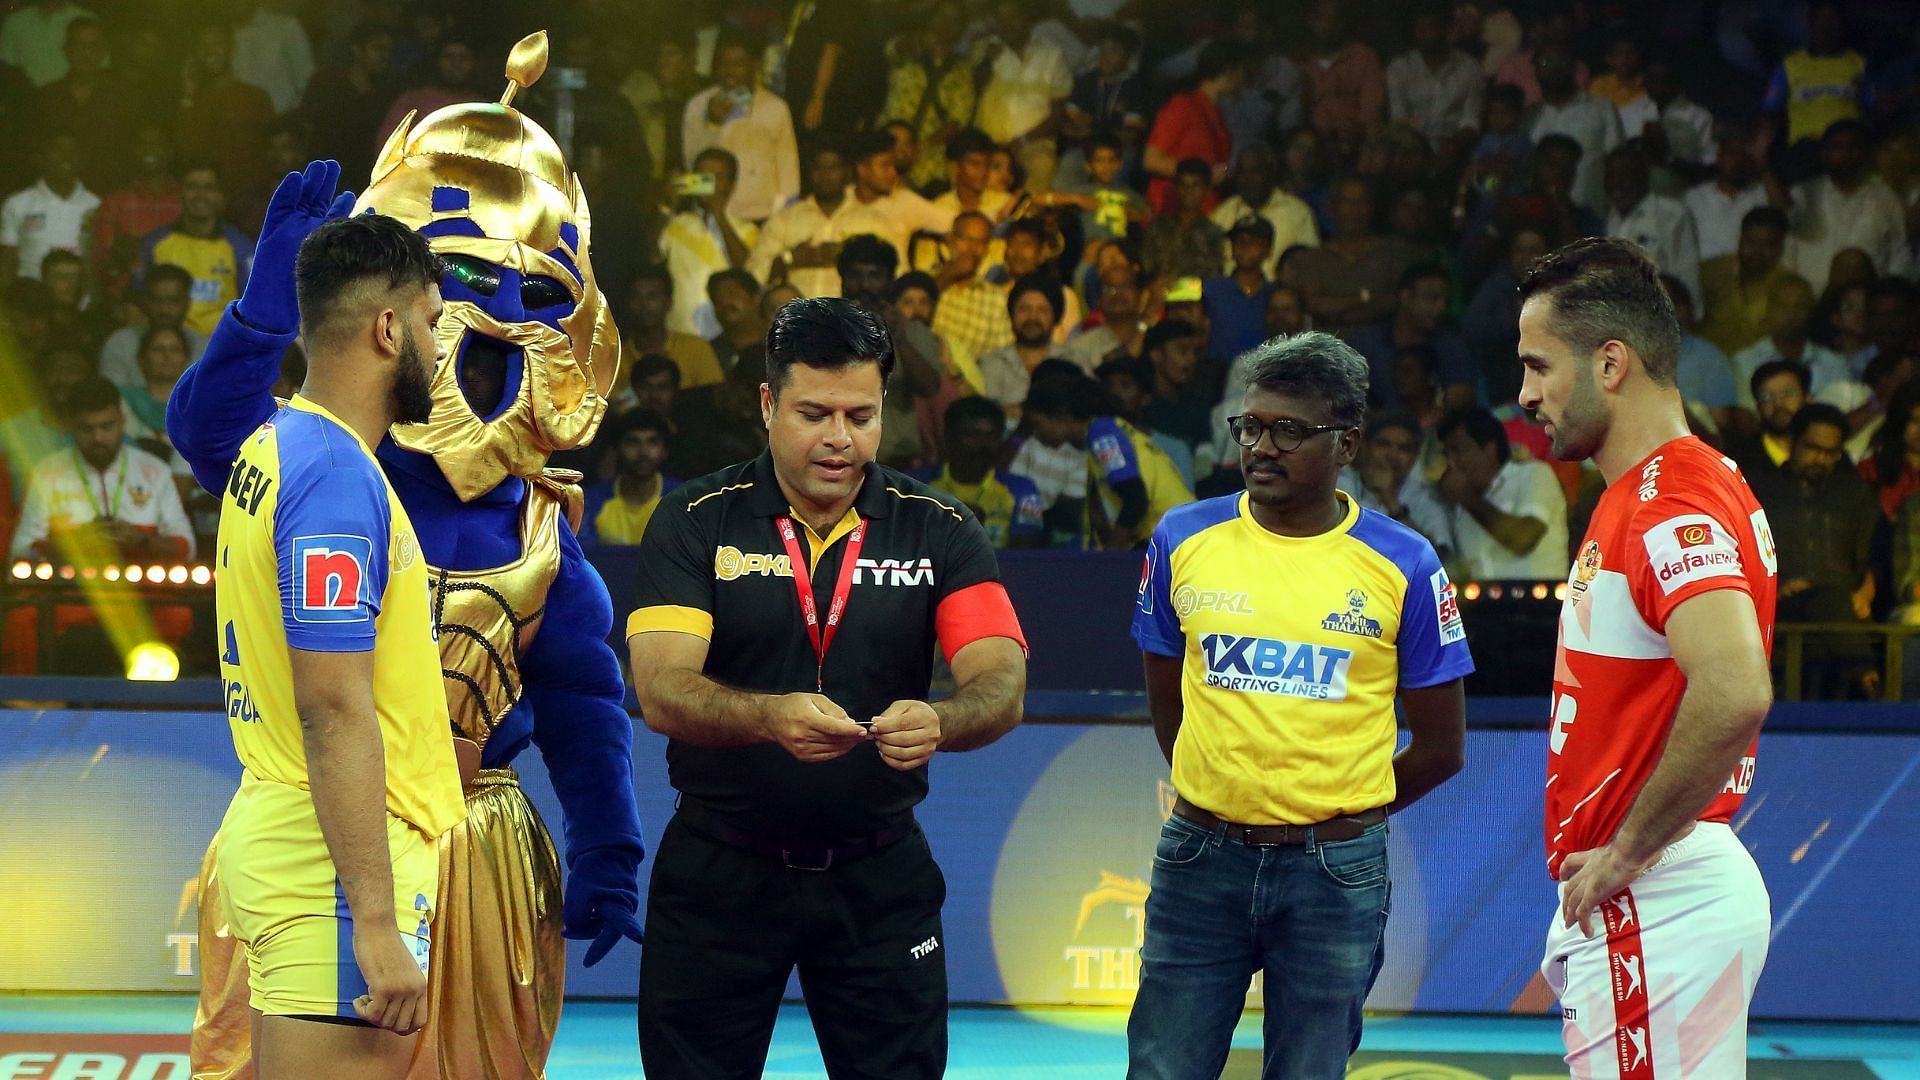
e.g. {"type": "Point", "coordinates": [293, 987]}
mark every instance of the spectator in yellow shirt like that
{"type": "Point", "coordinates": [618, 510]}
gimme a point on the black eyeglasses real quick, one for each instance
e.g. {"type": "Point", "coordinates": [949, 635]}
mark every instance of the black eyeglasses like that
{"type": "Point", "coordinates": [1287, 434]}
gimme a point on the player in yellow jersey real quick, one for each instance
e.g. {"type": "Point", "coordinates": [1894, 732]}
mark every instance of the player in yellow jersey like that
{"type": "Point", "coordinates": [327, 851]}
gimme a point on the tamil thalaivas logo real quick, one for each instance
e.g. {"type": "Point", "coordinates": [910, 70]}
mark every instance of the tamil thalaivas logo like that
{"type": "Point", "coordinates": [1353, 620]}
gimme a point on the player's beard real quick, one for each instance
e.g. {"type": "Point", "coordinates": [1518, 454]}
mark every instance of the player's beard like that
{"type": "Point", "coordinates": [1578, 432]}
{"type": "Point", "coordinates": [412, 384]}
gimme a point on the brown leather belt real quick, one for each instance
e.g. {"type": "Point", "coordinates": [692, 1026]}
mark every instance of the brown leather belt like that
{"type": "Point", "coordinates": [1326, 832]}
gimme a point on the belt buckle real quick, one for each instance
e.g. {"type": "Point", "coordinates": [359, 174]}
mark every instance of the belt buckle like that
{"type": "Point", "coordinates": [786, 859]}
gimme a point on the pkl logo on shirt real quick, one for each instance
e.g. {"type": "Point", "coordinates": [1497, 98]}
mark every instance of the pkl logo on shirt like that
{"type": "Point", "coordinates": [329, 576]}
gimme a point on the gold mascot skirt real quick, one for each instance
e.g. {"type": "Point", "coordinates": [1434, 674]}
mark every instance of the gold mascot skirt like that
{"type": "Point", "coordinates": [499, 963]}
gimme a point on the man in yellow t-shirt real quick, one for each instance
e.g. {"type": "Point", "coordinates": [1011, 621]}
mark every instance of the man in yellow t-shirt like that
{"type": "Point", "coordinates": [1820, 84]}
{"type": "Point", "coordinates": [327, 854]}
{"type": "Point", "coordinates": [1278, 628]}
{"type": "Point", "coordinates": [218, 256]}
{"type": "Point", "coordinates": [618, 510]}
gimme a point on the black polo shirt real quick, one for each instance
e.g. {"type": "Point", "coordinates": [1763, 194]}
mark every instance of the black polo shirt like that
{"type": "Point", "coordinates": [712, 563]}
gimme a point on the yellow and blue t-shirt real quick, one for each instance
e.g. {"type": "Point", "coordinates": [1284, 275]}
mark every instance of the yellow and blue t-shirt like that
{"type": "Point", "coordinates": [219, 265]}
{"type": "Point", "coordinates": [316, 553]}
{"type": "Point", "coordinates": [1292, 650]}
{"type": "Point", "coordinates": [1117, 452]}
{"type": "Point", "coordinates": [1009, 506]}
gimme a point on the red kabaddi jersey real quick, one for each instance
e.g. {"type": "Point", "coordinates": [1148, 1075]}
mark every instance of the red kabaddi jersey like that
{"type": "Point", "coordinates": [1680, 524]}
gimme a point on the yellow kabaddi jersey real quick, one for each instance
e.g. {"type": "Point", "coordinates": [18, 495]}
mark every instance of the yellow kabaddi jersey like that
{"type": "Point", "coordinates": [1292, 650]}
{"type": "Point", "coordinates": [317, 553]}
{"type": "Point", "coordinates": [219, 265]}
{"type": "Point", "coordinates": [1817, 91]}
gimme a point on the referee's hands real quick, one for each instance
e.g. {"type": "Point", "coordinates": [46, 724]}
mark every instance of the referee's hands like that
{"type": "Point", "coordinates": [907, 734]}
{"type": "Point", "coordinates": [812, 728]}
{"type": "Point", "coordinates": [396, 997]}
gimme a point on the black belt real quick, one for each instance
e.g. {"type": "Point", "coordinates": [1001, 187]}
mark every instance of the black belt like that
{"type": "Point", "coordinates": [1331, 831]}
{"type": "Point", "coordinates": [795, 855]}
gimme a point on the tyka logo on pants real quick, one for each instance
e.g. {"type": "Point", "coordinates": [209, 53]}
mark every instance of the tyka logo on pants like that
{"type": "Point", "coordinates": [920, 951]}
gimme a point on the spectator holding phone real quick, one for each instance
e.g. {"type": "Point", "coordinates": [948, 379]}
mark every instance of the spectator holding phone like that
{"type": "Point", "coordinates": [704, 238]}
{"type": "Point", "coordinates": [750, 123]}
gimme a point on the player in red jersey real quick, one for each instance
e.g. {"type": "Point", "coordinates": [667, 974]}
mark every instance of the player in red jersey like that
{"type": "Point", "coordinates": [1661, 681]}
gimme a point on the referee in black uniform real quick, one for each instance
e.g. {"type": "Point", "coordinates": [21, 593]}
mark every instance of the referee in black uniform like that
{"type": "Point", "coordinates": [788, 610]}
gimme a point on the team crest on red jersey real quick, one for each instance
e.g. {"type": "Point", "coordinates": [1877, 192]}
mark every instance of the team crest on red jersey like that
{"type": "Point", "coordinates": [1585, 569]}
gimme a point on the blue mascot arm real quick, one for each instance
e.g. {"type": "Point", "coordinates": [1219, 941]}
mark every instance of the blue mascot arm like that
{"type": "Point", "coordinates": [573, 683]}
{"type": "Point", "coordinates": [228, 393]}
{"type": "Point", "coordinates": [224, 396]}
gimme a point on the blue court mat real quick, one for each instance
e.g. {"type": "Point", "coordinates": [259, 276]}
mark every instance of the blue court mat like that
{"type": "Point", "coordinates": [597, 1042]}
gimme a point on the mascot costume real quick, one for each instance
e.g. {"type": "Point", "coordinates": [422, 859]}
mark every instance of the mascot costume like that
{"type": "Point", "coordinates": [522, 618]}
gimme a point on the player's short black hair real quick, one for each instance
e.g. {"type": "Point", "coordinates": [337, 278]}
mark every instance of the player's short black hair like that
{"type": "Point", "coordinates": [736, 275]}
{"type": "Point", "coordinates": [1421, 271]}
{"type": "Point", "coordinates": [720, 154]}
{"type": "Point", "coordinates": [911, 280]}
{"type": "Point", "coordinates": [1388, 419]}
{"type": "Point", "coordinates": [1481, 426]}
{"type": "Point", "coordinates": [868, 144]}
{"type": "Point", "coordinates": [866, 249]}
{"type": "Point", "coordinates": [1126, 367]}
{"type": "Point", "coordinates": [91, 394]}
{"type": "Point", "coordinates": [166, 272]}
{"type": "Point", "coordinates": [1043, 283]}
{"type": "Point", "coordinates": [1077, 398]}
{"type": "Point", "coordinates": [826, 332]}
{"type": "Point", "coordinates": [1194, 166]}
{"type": "Point", "coordinates": [1103, 138]}
{"type": "Point", "coordinates": [653, 364]}
{"type": "Point", "coordinates": [1765, 217]}
{"type": "Point", "coordinates": [1817, 412]}
{"type": "Point", "coordinates": [1164, 332]}
{"type": "Point", "coordinates": [151, 332]}
{"type": "Point", "coordinates": [636, 419]}
{"type": "Point", "coordinates": [1028, 227]}
{"type": "Point", "coordinates": [968, 140]}
{"type": "Point", "coordinates": [975, 409]}
{"type": "Point", "coordinates": [1507, 94]}
{"type": "Point", "coordinates": [1313, 364]}
{"type": "Point", "coordinates": [654, 272]}
{"type": "Point", "coordinates": [1765, 372]}
{"type": "Point", "coordinates": [1608, 289]}
{"type": "Point", "coordinates": [348, 251]}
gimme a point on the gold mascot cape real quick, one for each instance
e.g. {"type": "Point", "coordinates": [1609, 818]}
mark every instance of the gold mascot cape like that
{"type": "Point", "coordinates": [499, 961]}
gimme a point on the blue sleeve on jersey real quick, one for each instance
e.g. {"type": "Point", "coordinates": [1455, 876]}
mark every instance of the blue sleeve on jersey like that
{"type": "Point", "coordinates": [1775, 98]}
{"type": "Point", "coordinates": [1156, 629]}
{"type": "Point", "coordinates": [330, 535]}
{"type": "Point", "coordinates": [1433, 641]}
{"type": "Point", "coordinates": [1029, 508]}
{"type": "Point", "coordinates": [1114, 459]}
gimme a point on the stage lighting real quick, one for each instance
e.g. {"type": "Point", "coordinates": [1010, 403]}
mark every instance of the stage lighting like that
{"type": "Point", "coordinates": [177, 575]}
{"type": "Point", "coordinates": [134, 574]}
{"type": "Point", "coordinates": [201, 575]}
{"type": "Point", "coordinates": [44, 571]}
{"type": "Point", "coordinates": [23, 570]}
{"type": "Point", "coordinates": [152, 661]}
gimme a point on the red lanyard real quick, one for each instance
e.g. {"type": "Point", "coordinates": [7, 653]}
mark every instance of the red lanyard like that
{"type": "Point", "coordinates": [822, 637]}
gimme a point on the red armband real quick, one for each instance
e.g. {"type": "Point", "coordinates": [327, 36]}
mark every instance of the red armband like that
{"type": "Point", "coordinates": [975, 612]}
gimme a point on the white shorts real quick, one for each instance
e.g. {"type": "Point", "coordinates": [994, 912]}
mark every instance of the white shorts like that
{"type": "Point", "coordinates": [1663, 992]}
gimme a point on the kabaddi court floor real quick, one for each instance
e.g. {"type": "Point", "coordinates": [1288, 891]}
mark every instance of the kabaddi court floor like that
{"type": "Point", "coordinates": [597, 1042]}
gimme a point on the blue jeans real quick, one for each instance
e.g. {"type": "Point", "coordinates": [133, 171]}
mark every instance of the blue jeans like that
{"type": "Point", "coordinates": [1312, 918]}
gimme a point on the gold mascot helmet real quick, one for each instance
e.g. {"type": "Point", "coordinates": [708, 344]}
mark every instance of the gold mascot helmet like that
{"type": "Point", "coordinates": [531, 348]}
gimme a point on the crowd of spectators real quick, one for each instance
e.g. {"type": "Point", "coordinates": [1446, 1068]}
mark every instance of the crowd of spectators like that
{"type": "Point", "coordinates": [1073, 215]}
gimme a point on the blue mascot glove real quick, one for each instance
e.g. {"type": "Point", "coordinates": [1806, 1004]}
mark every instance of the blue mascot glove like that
{"type": "Point", "coordinates": [299, 205]}
{"type": "Point", "coordinates": [601, 903]}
